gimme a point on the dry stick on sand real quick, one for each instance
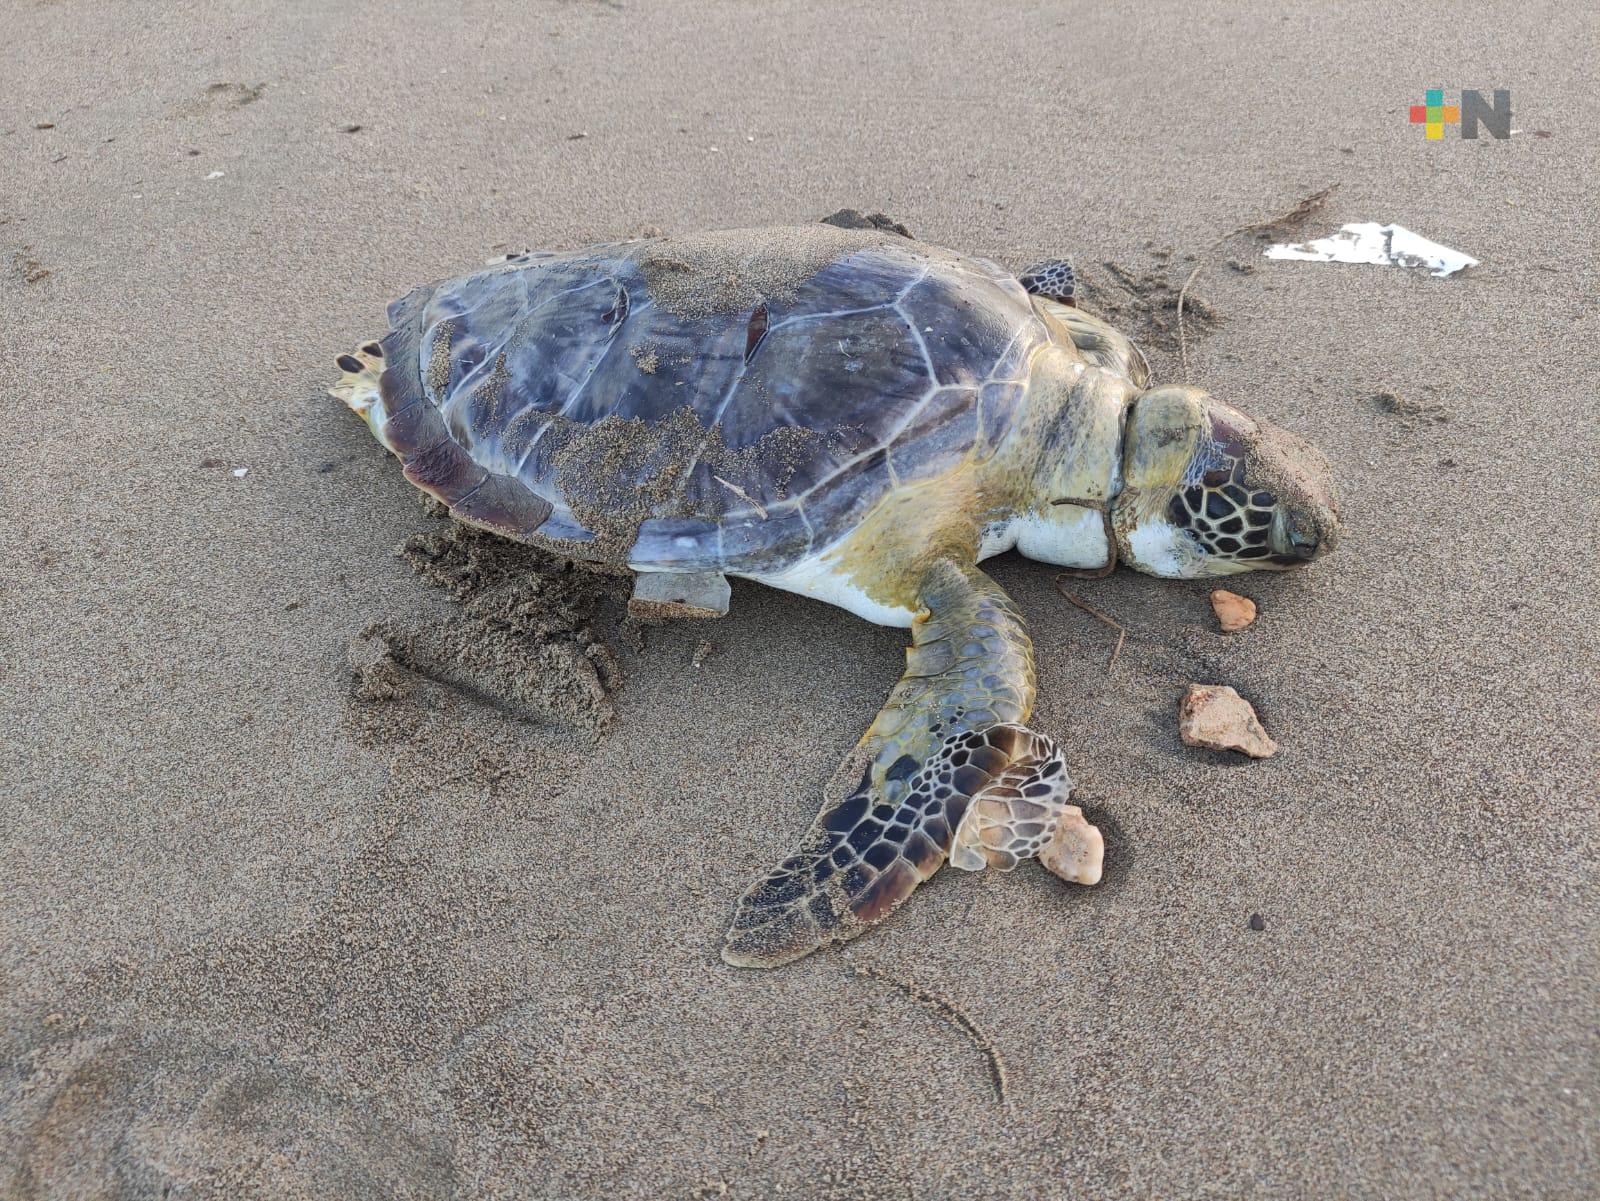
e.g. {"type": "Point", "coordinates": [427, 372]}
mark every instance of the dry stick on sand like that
{"type": "Point", "coordinates": [1122, 630]}
{"type": "Point", "coordinates": [1295, 216]}
{"type": "Point", "coordinates": [947, 1009]}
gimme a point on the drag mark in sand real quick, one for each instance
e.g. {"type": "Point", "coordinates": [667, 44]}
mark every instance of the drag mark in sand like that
{"type": "Point", "coordinates": [950, 1012]}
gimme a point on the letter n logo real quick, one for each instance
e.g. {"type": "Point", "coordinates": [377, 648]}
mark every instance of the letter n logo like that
{"type": "Point", "coordinates": [1496, 119]}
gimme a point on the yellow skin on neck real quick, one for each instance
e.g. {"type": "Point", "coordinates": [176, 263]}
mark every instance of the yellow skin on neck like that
{"type": "Point", "coordinates": [1061, 456]}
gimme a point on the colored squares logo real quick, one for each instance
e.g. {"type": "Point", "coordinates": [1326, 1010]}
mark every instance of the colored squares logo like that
{"type": "Point", "coordinates": [1433, 114]}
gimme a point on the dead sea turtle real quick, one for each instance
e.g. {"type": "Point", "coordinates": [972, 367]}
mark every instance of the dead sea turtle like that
{"type": "Point", "coordinates": [860, 417]}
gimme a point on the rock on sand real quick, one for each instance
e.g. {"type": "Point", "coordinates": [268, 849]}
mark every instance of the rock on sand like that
{"type": "Point", "coordinates": [1234, 612]}
{"type": "Point", "coordinates": [1216, 717]}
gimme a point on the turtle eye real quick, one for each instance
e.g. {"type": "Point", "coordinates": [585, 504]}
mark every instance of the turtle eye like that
{"type": "Point", "coordinates": [1216, 477]}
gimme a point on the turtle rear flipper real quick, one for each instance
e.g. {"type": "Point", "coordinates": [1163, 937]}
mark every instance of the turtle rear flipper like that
{"type": "Point", "coordinates": [948, 767]}
{"type": "Point", "coordinates": [381, 382]}
{"type": "Point", "coordinates": [359, 374]}
{"type": "Point", "coordinates": [671, 595]}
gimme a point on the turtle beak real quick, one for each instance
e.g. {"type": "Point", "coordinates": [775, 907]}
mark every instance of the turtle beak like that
{"type": "Point", "coordinates": [1299, 537]}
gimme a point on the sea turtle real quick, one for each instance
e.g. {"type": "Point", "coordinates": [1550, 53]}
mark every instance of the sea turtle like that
{"type": "Point", "coordinates": [860, 417]}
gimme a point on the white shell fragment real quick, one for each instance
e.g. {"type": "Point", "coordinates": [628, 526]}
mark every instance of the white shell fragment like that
{"type": "Point", "coordinates": [1383, 245]}
{"type": "Point", "coordinates": [1217, 718]}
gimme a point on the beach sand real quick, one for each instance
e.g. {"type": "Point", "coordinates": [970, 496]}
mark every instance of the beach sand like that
{"type": "Point", "coordinates": [263, 937]}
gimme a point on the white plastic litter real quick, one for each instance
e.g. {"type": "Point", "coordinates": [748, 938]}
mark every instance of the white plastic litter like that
{"type": "Point", "coordinates": [1383, 245]}
{"type": "Point", "coordinates": [240, 472]}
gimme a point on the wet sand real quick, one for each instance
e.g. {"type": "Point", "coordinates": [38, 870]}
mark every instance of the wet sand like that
{"type": "Point", "coordinates": [263, 936]}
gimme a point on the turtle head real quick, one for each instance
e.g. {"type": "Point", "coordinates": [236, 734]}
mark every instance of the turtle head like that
{"type": "Point", "coordinates": [1209, 490]}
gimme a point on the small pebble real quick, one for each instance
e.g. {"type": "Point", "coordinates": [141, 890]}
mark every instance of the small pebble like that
{"type": "Point", "coordinates": [1234, 612]}
{"type": "Point", "coordinates": [1257, 922]}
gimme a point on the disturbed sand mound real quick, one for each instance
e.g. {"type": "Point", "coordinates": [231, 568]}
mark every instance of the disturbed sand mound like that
{"type": "Point", "coordinates": [529, 638]}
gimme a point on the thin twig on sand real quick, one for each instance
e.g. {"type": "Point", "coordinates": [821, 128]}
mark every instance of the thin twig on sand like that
{"type": "Point", "coordinates": [948, 1010]}
{"type": "Point", "coordinates": [1122, 630]}
{"type": "Point", "coordinates": [1286, 220]}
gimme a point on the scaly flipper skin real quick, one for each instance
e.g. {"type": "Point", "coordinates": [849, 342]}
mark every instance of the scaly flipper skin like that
{"type": "Point", "coordinates": [946, 747]}
{"type": "Point", "coordinates": [1054, 279]}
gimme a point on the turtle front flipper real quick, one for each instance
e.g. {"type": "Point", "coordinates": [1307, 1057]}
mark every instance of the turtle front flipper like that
{"type": "Point", "coordinates": [1054, 279]}
{"type": "Point", "coordinates": [948, 769]}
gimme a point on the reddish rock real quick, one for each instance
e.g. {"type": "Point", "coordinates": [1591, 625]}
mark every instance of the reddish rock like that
{"type": "Point", "coordinates": [1216, 717]}
{"type": "Point", "coordinates": [1234, 612]}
